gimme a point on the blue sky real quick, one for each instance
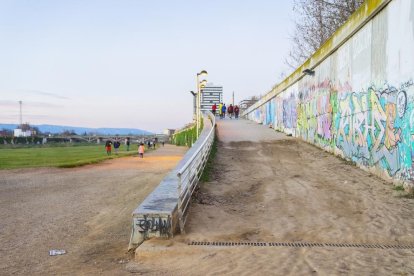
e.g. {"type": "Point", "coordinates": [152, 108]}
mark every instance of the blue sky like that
{"type": "Point", "coordinates": [133, 63]}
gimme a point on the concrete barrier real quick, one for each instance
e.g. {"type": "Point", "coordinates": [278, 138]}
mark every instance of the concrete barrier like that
{"type": "Point", "coordinates": [160, 214]}
{"type": "Point", "coordinates": [359, 102]}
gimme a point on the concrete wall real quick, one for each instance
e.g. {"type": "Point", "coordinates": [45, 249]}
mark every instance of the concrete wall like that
{"type": "Point", "coordinates": [360, 102]}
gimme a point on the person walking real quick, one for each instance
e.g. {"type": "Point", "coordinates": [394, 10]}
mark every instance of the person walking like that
{"type": "Point", "coordinates": [108, 147]}
{"type": "Point", "coordinates": [127, 143]}
{"type": "Point", "coordinates": [230, 111]}
{"type": "Point", "coordinates": [219, 109]}
{"type": "Point", "coordinates": [117, 144]}
{"type": "Point", "coordinates": [213, 109]}
{"type": "Point", "coordinates": [236, 111]}
{"type": "Point", "coordinates": [141, 150]}
{"type": "Point", "coordinates": [223, 111]}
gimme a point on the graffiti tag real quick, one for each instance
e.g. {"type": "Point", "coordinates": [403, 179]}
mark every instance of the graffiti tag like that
{"type": "Point", "coordinates": [155, 224]}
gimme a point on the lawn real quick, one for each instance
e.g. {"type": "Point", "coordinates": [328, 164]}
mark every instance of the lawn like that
{"type": "Point", "coordinates": [64, 156]}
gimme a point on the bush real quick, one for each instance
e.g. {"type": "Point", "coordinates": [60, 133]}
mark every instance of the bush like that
{"type": "Point", "coordinates": [187, 137]}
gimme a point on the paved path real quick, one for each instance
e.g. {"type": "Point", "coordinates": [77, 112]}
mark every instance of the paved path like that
{"type": "Point", "coordinates": [86, 211]}
{"type": "Point", "coordinates": [267, 187]}
{"type": "Point", "coordinates": [241, 131]}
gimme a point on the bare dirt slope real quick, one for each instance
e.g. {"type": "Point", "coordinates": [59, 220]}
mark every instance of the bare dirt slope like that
{"type": "Point", "coordinates": [272, 188]}
{"type": "Point", "coordinates": [86, 211]}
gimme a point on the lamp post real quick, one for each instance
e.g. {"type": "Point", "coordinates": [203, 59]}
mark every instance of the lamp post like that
{"type": "Point", "coordinates": [194, 104]}
{"type": "Point", "coordinates": [199, 84]}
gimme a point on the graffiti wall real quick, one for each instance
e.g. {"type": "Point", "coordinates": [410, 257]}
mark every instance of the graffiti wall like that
{"type": "Point", "coordinates": [359, 104]}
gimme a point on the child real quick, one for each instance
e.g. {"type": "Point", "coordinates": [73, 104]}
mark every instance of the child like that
{"type": "Point", "coordinates": [108, 146]}
{"type": "Point", "coordinates": [141, 150]}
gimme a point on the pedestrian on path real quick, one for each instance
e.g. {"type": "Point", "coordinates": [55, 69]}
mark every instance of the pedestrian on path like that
{"type": "Point", "coordinates": [117, 144]}
{"type": "Point", "coordinates": [220, 106]}
{"type": "Point", "coordinates": [141, 150]}
{"type": "Point", "coordinates": [236, 111]}
{"type": "Point", "coordinates": [108, 147]}
{"type": "Point", "coordinates": [213, 109]}
{"type": "Point", "coordinates": [230, 111]}
{"type": "Point", "coordinates": [127, 143]}
{"type": "Point", "coordinates": [223, 111]}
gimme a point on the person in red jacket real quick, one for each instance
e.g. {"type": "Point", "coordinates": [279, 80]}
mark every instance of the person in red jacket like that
{"type": "Point", "coordinates": [236, 111]}
{"type": "Point", "coordinates": [108, 147]}
{"type": "Point", "coordinates": [213, 109]}
{"type": "Point", "coordinates": [230, 111]}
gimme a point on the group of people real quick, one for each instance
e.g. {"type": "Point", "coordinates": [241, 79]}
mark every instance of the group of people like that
{"type": "Point", "coordinates": [221, 109]}
{"type": "Point", "coordinates": [117, 145]}
{"type": "Point", "coordinates": [141, 147]}
{"type": "Point", "coordinates": [108, 146]}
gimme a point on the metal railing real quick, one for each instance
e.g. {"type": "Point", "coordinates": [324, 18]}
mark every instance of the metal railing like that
{"type": "Point", "coordinates": [189, 174]}
{"type": "Point", "coordinates": [166, 208]}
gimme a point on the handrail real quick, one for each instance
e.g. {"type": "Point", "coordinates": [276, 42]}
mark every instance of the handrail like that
{"type": "Point", "coordinates": [185, 166]}
{"type": "Point", "coordinates": [189, 174]}
{"type": "Point", "coordinates": [166, 208]}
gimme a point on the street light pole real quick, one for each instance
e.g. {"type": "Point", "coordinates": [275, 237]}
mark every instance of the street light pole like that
{"type": "Point", "coordinates": [202, 73]}
{"type": "Point", "coordinates": [197, 106]}
{"type": "Point", "coordinates": [194, 105]}
{"type": "Point", "coordinates": [201, 85]}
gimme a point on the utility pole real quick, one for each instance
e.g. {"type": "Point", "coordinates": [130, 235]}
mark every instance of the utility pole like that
{"type": "Point", "coordinates": [233, 98]}
{"type": "Point", "coordinates": [21, 116]}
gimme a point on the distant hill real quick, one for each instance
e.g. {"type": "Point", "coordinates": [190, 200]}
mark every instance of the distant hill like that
{"type": "Point", "coordinates": [81, 130]}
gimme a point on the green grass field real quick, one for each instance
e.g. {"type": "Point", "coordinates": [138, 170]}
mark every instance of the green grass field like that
{"type": "Point", "coordinates": [64, 157]}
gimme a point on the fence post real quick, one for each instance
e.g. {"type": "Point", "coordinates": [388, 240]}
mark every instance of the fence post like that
{"type": "Point", "coordinates": [180, 211]}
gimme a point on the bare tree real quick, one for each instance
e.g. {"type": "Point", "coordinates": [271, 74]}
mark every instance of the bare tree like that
{"type": "Point", "coordinates": [316, 21]}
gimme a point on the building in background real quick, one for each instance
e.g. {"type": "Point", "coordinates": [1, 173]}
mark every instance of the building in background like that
{"type": "Point", "coordinates": [211, 94]}
{"type": "Point", "coordinates": [24, 130]}
{"type": "Point", "coordinates": [168, 131]}
{"type": "Point", "coordinates": [18, 132]}
{"type": "Point", "coordinates": [245, 104]}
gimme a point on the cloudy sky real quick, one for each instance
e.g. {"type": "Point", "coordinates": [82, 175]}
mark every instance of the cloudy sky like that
{"type": "Point", "coordinates": [131, 63]}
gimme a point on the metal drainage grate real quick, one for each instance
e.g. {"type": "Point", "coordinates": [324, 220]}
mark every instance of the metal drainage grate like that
{"type": "Point", "coordinates": [303, 244]}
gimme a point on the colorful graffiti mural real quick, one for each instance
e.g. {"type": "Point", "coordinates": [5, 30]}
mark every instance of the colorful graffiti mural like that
{"type": "Point", "coordinates": [374, 128]}
{"type": "Point", "coordinates": [315, 113]}
{"type": "Point", "coordinates": [359, 103]}
{"type": "Point", "coordinates": [270, 113]}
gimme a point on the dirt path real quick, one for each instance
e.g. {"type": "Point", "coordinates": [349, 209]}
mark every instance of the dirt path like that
{"type": "Point", "coordinates": [267, 187]}
{"type": "Point", "coordinates": [86, 211]}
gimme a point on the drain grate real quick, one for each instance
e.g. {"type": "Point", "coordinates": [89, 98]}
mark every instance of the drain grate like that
{"type": "Point", "coordinates": [302, 244]}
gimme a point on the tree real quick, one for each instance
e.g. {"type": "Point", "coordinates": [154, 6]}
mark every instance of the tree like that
{"type": "Point", "coordinates": [6, 132]}
{"type": "Point", "coordinates": [25, 127]}
{"type": "Point", "coordinates": [316, 21]}
{"type": "Point", "coordinates": [68, 132]}
{"type": "Point", "coordinates": [36, 131]}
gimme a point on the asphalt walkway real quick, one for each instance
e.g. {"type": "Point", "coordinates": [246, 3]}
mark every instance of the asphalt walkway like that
{"type": "Point", "coordinates": [232, 130]}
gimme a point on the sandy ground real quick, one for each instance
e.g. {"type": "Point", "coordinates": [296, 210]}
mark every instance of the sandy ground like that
{"type": "Point", "coordinates": [272, 188]}
{"type": "Point", "coordinates": [86, 211]}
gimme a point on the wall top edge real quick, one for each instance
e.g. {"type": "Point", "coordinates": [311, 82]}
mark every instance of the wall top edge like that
{"type": "Point", "coordinates": [356, 21]}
